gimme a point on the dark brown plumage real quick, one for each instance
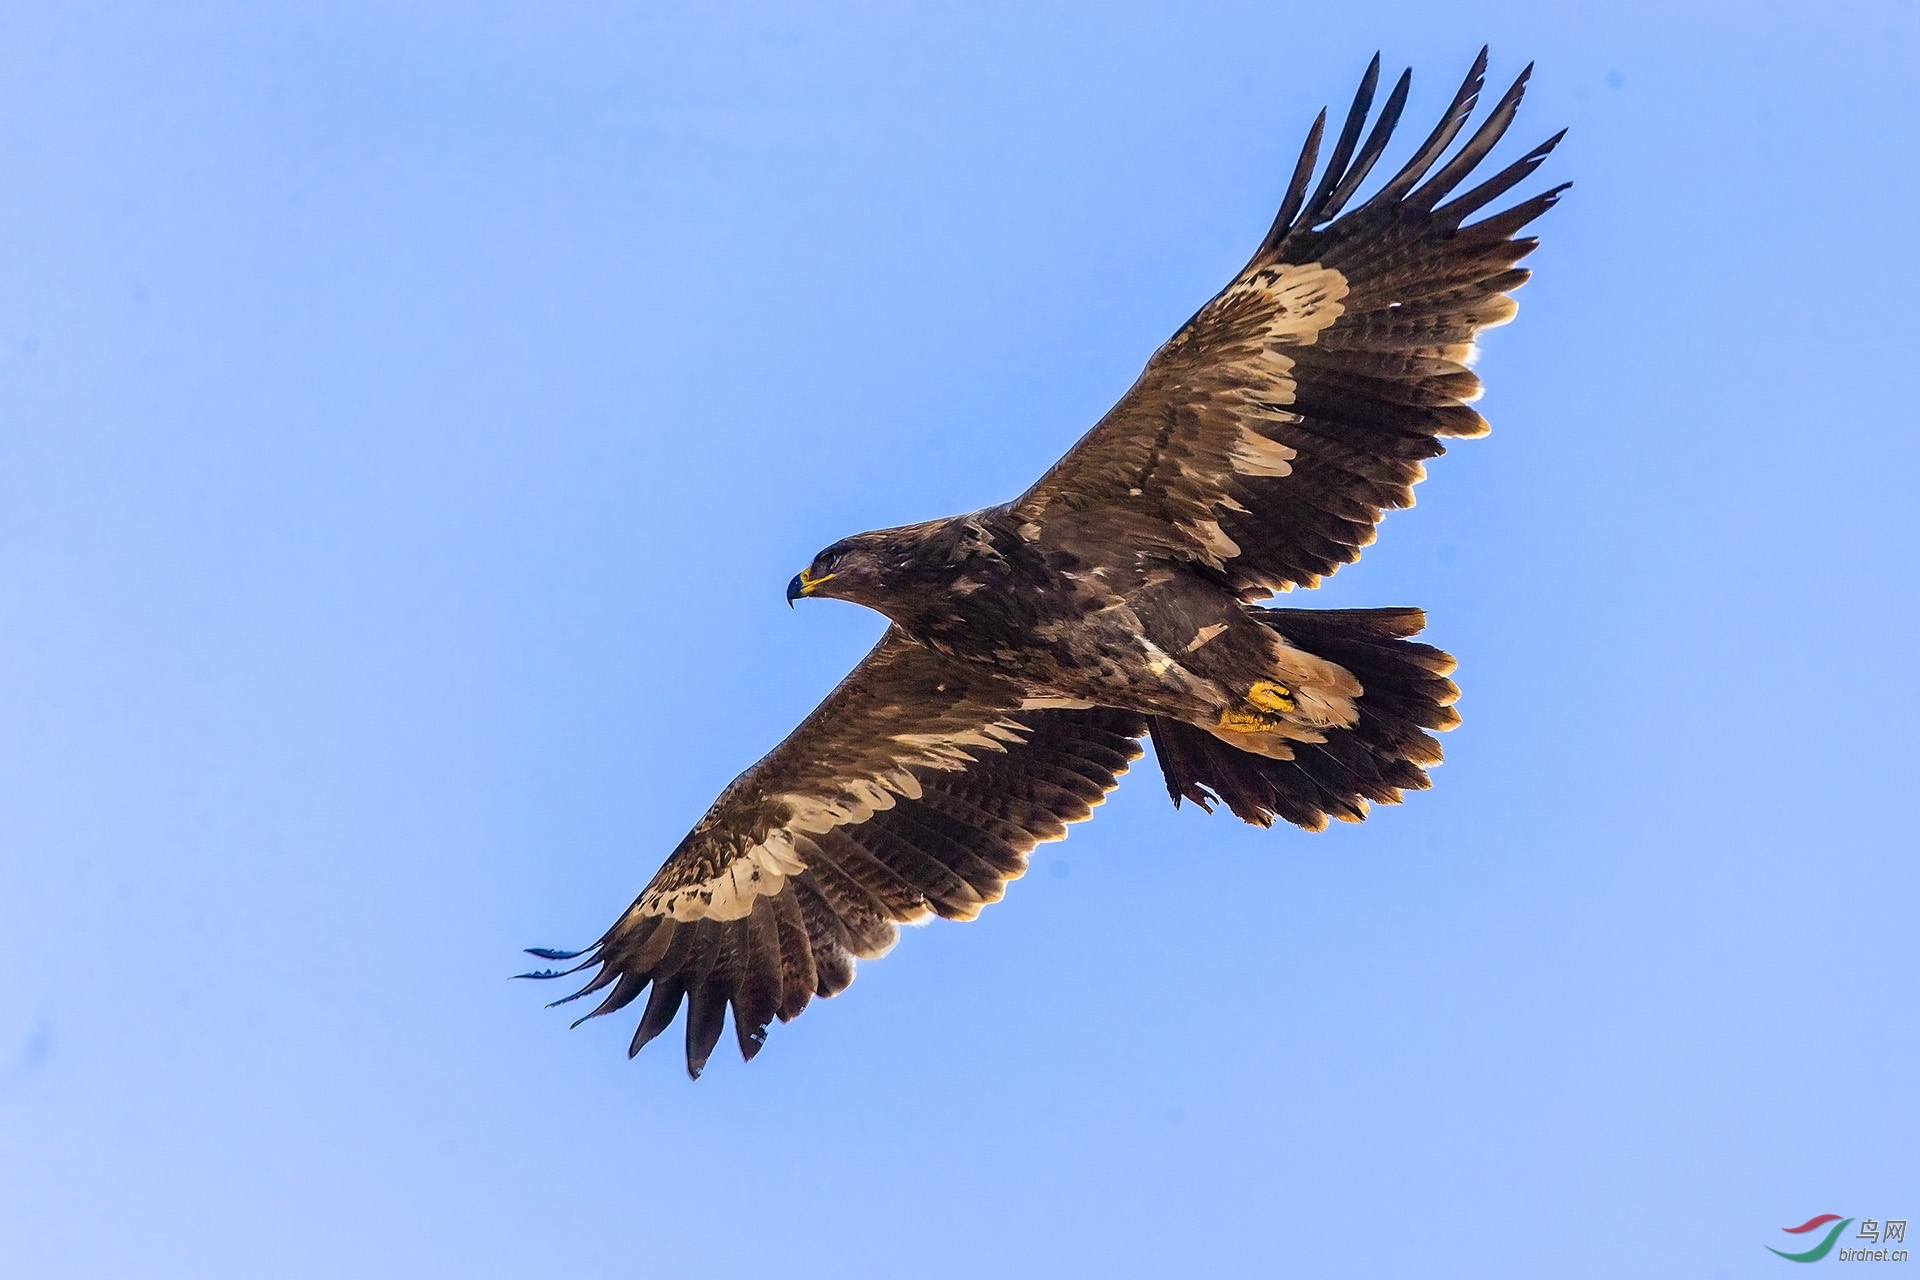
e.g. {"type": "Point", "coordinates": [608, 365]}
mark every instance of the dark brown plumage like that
{"type": "Point", "coordinates": [1033, 644]}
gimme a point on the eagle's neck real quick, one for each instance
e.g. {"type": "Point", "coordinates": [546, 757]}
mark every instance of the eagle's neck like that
{"type": "Point", "coordinates": [966, 588]}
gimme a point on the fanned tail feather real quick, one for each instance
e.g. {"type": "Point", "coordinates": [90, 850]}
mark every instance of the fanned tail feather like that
{"type": "Point", "coordinates": [1385, 753]}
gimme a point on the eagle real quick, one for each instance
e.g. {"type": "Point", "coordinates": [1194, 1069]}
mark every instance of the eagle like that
{"type": "Point", "coordinates": [1031, 646]}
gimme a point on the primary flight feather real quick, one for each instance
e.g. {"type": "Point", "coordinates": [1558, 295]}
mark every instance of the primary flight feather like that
{"type": "Point", "coordinates": [1033, 644]}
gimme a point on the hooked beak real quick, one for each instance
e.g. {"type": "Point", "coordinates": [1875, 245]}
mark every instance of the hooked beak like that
{"type": "Point", "coordinates": [803, 584]}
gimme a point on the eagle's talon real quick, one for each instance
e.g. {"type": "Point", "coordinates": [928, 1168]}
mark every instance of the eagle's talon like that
{"type": "Point", "coordinates": [1270, 696]}
{"type": "Point", "coordinates": [1247, 720]}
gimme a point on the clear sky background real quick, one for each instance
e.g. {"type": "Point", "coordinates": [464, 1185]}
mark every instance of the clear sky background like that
{"type": "Point", "coordinates": [410, 415]}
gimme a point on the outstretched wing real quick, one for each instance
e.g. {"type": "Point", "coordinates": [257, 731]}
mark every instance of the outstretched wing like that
{"type": "Point", "coordinates": [916, 789]}
{"type": "Point", "coordinates": [1264, 440]}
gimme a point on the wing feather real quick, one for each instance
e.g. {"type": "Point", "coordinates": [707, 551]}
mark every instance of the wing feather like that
{"type": "Point", "coordinates": [799, 975]}
{"type": "Point", "coordinates": [827, 934]}
{"type": "Point", "coordinates": [757, 991]}
{"type": "Point", "coordinates": [707, 990]}
{"type": "Point", "coordinates": [918, 788]}
{"type": "Point", "coordinates": [1267, 438]}
{"type": "Point", "coordinates": [1457, 114]}
{"type": "Point", "coordinates": [1371, 153]}
{"type": "Point", "coordinates": [1316, 204]}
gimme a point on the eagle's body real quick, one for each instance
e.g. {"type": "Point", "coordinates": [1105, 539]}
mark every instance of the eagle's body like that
{"type": "Point", "coordinates": [1048, 608]}
{"type": "Point", "coordinates": [1033, 644]}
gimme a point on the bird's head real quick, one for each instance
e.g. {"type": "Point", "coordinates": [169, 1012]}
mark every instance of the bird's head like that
{"type": "Point", "coordinates": [879, 570]}
{"type": "Point", "coordinates": [851, 569]}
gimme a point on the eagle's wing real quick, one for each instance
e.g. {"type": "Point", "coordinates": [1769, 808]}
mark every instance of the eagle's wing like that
{"type": "Point", "coordinates": [916, 789]}
{"type": "Point", "coordinates": [1266, 437]}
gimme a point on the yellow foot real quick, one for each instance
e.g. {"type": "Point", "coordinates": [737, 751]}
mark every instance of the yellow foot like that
{"type": "Point", "coordinates": [1269, 696]}
{"type": "Point", "coordinates": [1247, 720]}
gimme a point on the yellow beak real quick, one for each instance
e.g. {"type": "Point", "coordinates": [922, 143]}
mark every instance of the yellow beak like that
{"type": "Point", "coordinates": [803, 584]}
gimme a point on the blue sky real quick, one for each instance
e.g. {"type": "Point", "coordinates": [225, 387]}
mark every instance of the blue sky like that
{"type": "Point", "coordinates": [410, 415]}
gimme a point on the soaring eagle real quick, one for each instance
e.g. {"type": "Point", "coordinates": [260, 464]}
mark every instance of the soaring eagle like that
{"type": "Point", "coordinates": [1033, 644]}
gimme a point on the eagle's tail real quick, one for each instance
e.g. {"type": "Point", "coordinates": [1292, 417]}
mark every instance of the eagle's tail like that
{"type": "Point", "coordinates": [1405, 693]}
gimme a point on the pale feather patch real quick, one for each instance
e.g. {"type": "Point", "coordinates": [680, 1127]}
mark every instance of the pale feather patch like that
{"type": "Point", "coordinates": [1212, 539]}
{"type": "Point", "coordinates": [1495, 311]}
{"type": "Point", "coordinates": [1273, 746]}
{"type": "Point", "coordinates": [1203, 636]}
{"type": "Point", "coordinates": [762, 870]}
{"type": "Point", "coordinates": [1324, 709]}
{"type": "Point", "coordinates": [857, 800]}
{"type": "Point", "coordinates": [1297, 302]}
{"type": "Point", "coordinates": [1255, 455]}
{"type": "Point", "coordinates": [759, 872]}
{"type": "Point", "coordinates": [1054, 704]}
{"type": "Point", "coordinates": [951, 751]}
{"type": "Point", "coordinates": [1323, 692]}
{"type": "Point", "coordinates": [1302, 299]}
{"type": "Point", "coordinates": [1157, 660]}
